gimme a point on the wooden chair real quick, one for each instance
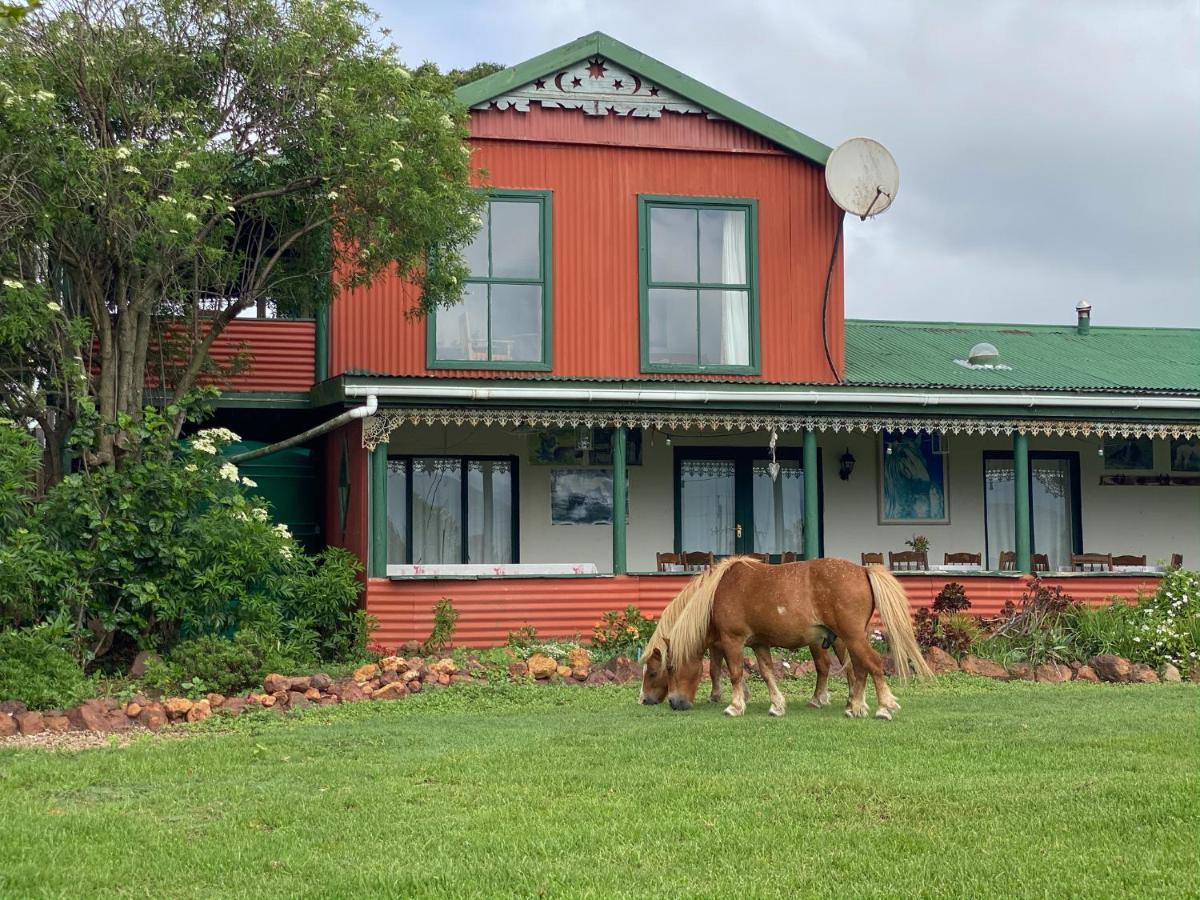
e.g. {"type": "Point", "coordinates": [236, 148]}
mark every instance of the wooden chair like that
{"type": "Point", "coordinates": [1176, 561]}
{"type": "Point", "coordinates": [761, 557]}
{"type": "Point", "coordinates": [788, 556]}
{"type": "Point", "coordinates": [1128, 559]}
{"type": "Point", "coordinates": [696, 561]}
{"type": "Point", "coordinates": [667, 562]}
{"type": "Point", "coordinates": [971, 559]}
{"type": "Point", "coordinates": [1041, 562]}
{"type": "Point", "coordinates": [1008, 560]}
{"type": "Point", "coordinates": [908, 561]}
{"type": "Point", "coordinates": [1092, 562]}
{"type": "Point", "coordinates": [872, 559]}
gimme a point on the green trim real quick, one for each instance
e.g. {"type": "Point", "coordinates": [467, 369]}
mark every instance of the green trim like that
{"type": "Point", "coordinates": [597, 42]}
{"type": "Point", "coordinates": [377, 506]}
{"type": "Point", "coordinates": [749, 206]}
{"type": "Point", "coordinates": [265, 399]}
{"type": "Point", "coordinates": [620, 476]}
{"type": "Point", "coordinates": [545, 281]}
{"type": "Point", "coordinates": [321, 348]}
{"type": "Point", "coordinates": [812, 483]}
{"type": "Point", "coordinates": [1021, 501]}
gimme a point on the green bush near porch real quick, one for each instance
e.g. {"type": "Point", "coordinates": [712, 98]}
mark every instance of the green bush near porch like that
{"type": "Point", "coordinates": [978, 788]}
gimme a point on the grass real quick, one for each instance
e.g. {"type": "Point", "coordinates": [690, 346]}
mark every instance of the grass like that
{"type": "Point", "coordinates": [977, 788]}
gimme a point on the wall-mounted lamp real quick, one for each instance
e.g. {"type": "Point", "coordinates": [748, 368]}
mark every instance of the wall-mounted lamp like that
{"type": "Point", "coordinates": [846, 465]}
{"type": "Point", "coordinates": [1100, 449]}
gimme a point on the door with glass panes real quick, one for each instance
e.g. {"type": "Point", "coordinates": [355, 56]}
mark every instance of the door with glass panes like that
{"type": "Point", "coordinates": [726, 501]}
{"type": "Point", "coordinates": [1056, 521]}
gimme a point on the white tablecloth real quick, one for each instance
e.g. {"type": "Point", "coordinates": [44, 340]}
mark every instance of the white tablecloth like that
{"type": "Point", "coordinates": [490, 570]}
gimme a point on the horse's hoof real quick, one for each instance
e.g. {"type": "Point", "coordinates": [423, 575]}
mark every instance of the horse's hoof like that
{"type": "Point", "coordinates": [853, 713]}
{"type": "Point", "coordinates": [815, 704]}
{"type": "Point", "coordinates": [714, 698]}
{"type": "Point", "coordinates": [733, 711]}
{"type": "Point", "coordinates": [883, 713]}
{"type": "Point", "coordinates": [777, 711]}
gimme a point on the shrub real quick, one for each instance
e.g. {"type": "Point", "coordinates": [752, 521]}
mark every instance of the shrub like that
{"type": "Point", "coordinates": [951, 599]}
{"type": "Point", "coordinates": [1039, 630]}
{"type": "Point", "coordinates": [1167, 623]}
{"type": "Point", "coordinates": [168, 548]}
{"type": "Point", "coordinates": [622, 633]}
{"type": "Point", "coordinates": [948, 626]}
{"type": "Point", "coordinates": [38, 670]}
{"type": "Point", "coordinates": [215, 663]}
{"type": "Point", "coordinates": [444, 618]}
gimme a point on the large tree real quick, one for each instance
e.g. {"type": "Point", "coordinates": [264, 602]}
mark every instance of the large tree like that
{"type": "Point", "coordinates": [168, 164]}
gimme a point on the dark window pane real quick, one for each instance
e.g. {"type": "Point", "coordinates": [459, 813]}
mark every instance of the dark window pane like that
{"type": "Point", "coordinates": [672, 326]}
{"type": "Point", "coordinates": [724, 328]}
{"type": "Point", "coordinates": [461, 329]}
{"type": "Point", "coordinates": [437, 511]}
{"type": "Point", "coordinates": [672, 244]}
{"type": "Point", "coordinates": [723, 246]}
{"type": "Point", "coordinates": [397, 527]}
{"type": "Point", "coordinates": [516, 322]}
{"type": "Point", "coordinates": [476, 252]}
{"type": "Point", "coordinates": [516, 239]}
{"type": "Point", "coordinates": [489, 511]}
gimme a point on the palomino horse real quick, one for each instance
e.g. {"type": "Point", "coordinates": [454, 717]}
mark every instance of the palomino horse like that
{"type": "Point", "coordinates": [741, 601]}
{"type": "Point", "coordinates": [655, 680]}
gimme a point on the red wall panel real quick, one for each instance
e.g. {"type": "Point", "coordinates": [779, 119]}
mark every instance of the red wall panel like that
{"type": "Point", "coordinates": [346, 440]}
{"type": "Point", "coordinates": [279, 354]}
{"type": "Point", "coordinates": [562, 607]}
{"type": "Point", "coordinates": [596, 167]}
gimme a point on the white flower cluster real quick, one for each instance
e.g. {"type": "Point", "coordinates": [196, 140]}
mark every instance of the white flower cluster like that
{"type": "Point", "coordinates": [229, 472]}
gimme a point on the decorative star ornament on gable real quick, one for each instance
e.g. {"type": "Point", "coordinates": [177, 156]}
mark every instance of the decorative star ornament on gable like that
{"type": "Point", "coordinates": [598, 87]}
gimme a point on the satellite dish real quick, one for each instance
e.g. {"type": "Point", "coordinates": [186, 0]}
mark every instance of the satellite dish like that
{"type": "Point", "coordinates": [862, 177]}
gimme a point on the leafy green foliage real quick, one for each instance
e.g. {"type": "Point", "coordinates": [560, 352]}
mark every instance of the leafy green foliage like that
{"type": "Point", "coordinates": [171, 163]}
{"type": "Point", "coordinates": [622, 632]}
{"type": "Point", "coordinates": [1166, 624]}
{"type": "Point", "coordinates": [1039, 630]}
{"type": "Point", "coordinates": [214, 663]}
{"type": "Point", "coordinates": [169, 548]}
{"type": "Point", "coordinates": [459, 77]}
{"type": "Point", "coordinates": [37, 669]}
{"type": "Point", "coordinates": [444, 618]}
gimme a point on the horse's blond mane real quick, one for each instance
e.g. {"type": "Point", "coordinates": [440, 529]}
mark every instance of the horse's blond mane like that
{"type": "Point", "coordinates": [684, 623]}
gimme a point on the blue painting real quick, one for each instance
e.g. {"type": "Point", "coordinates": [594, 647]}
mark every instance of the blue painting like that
{"type": "Point", "coordinates": [912, 479]}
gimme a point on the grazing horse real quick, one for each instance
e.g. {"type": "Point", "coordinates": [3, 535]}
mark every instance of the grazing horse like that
{"type": "Point", "coordinates": [741, 601]}
{"type": "Point", "coordinates": [655, 667]}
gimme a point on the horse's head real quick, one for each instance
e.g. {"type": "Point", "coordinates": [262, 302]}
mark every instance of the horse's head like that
{"type": "Point", "coordinates": [654, 678]}
{"type": "Point", "coordinates": [682, 680]}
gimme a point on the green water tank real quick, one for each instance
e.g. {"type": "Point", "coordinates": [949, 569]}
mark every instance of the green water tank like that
{"type": "Point", "coordinates": [289, 481]}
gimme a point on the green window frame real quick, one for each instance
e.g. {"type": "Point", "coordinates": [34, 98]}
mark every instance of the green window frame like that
{"type": "Point", "coordinates": [646, 204]}
{"type": "Point", "coordinates": [543, 279]}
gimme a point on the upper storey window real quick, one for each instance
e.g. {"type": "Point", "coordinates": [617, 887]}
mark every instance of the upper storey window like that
{"type": "Point", "coordinates": [503, 318]}
{"type": "Point", "coordinates": [699, 291]}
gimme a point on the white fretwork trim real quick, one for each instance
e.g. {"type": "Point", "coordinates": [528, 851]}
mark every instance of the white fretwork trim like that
{"type": "Point", "coordinates": [597, 87]}
{"type": "Point", "coordinates": [378, 428]}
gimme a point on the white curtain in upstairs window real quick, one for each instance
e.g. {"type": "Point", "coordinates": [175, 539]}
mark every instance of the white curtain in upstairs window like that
{"type": "Point", "coordinates": [735, 314]}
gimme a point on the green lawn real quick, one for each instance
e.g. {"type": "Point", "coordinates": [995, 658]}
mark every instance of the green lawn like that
{"type": "Point", "coordinates": [977, 788]}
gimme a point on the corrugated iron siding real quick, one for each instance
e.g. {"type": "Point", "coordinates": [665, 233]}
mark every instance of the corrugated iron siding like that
{"type": "Point", "coordinates": [489, 609]}
{"type": "Point", "coordinates": [280, 354]}
{"type": "Point", "coordinates": [347, 440]}
{"type": "Point", "coordinates": [595, 263]}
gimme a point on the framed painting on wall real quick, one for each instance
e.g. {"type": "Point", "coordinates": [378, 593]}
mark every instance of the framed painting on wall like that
{"type": "Point", "coordinates": [1185, 454]}
{"type": "Point", "coordinates": [555, 447]}
{"type": "Point", "coordinates": [1128, 454]}
{"type": "Point", "coordinates": [912, 479]}
{"type": "Point", "coordinates": [583, 497]}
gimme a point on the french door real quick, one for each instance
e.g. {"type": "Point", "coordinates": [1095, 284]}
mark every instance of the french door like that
{"type": "Point", "coordinates": [1055, 516]}
{"type": "Point", "coordinates": [726, 501]}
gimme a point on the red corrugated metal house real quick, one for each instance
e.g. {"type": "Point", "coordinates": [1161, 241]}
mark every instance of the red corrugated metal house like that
{"type": "Point", "coordinates": [653, 336]}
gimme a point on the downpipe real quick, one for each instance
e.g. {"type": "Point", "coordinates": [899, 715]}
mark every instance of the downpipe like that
{"type": "Point", "coordinates": [359, 412]}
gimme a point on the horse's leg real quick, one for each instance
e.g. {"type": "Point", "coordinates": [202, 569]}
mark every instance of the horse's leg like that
{"type": "Point", "coordinates": [867, 661]}
{"type": "Point", "coordinates": [734, 650]}
{"type": "Point", "coordinates": [766, 666]}
{"type": "Point", "coordinates": [716, 659]}
{"type": "Point", "coordinates": [820, 660]}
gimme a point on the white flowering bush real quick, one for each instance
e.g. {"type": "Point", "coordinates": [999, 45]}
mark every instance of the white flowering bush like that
{"type": "Point", "coordinates": [1166, 625]}
{"type": "Point", "coordinates": [167, 548]}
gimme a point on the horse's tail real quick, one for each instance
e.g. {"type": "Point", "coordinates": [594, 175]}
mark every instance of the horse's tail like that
{"type": "Point", "coordinates": [892, 603]}
{"type": "Point", "coordinates": [687, 637]}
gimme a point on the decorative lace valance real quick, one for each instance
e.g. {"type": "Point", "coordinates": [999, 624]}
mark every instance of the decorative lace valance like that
{"type": "Point", "coordinates": [377, 428]}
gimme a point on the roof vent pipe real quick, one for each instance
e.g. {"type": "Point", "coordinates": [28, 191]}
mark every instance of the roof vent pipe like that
{"type": "Point", "coordinates": [1084, 310]}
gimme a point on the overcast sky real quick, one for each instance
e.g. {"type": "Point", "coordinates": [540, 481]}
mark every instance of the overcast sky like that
{"type": "Point", "coordinates": [1048, 152]}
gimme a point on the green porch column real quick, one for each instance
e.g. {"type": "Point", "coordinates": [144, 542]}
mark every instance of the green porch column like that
{"type": "Point", "coordinates": [619, 481]}
{"type": "Point", "coordinates": [1021, 501]}
{"type": "Point", "coordinates": [377, 510]}
{"type": "Point", "coordinates": [812, 539]}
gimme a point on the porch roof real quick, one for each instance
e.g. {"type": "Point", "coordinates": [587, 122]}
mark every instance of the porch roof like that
{"type": "Point", "coordinates": [1032, 357]}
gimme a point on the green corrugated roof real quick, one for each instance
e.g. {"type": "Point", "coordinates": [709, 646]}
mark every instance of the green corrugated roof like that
{"type": "Point", "coordinates": [1042, 357]}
